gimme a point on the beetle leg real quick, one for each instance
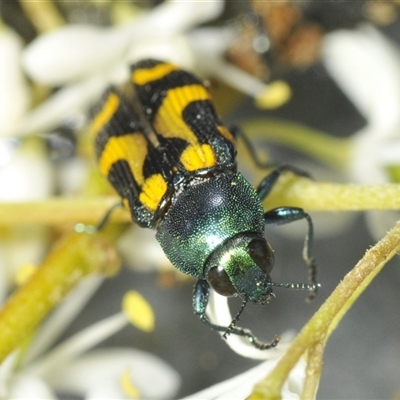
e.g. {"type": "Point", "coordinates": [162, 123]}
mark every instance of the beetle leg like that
{"type": "Point", "coordinates": [266, 185]}
{"type": "Point", "coordinates": [237, 131]}
{"type": "Point", "coordinates": [286, 215]}
{"type": "Point", "coordinates": [201, 297]}
{"type": "Point", "coordinates": [103, 222]}
{"type": "Point", "coordinates": [83, 228]}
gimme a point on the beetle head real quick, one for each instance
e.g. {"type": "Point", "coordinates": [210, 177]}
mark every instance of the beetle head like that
{"type": "Point", "coordinates": [241, 266]}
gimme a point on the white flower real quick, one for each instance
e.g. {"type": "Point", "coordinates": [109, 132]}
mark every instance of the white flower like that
{"type": "Point", "coordinates": [146, 255]}
{"type": "Point", "coordinates": [14, 91]}
{"type": "Point", "coordinates": [25, 172]}
{"type": "Point", "coordinates": [23, 386]}
{"type": "Point", "coordinates": [85, 59]}
{"type": "Point", "coordinates": [219, 314]}
{"type": "Point", "coordinates": [72, 367]}
{"type": "Point", "coordinates": [117, 373]}
{"type": "Point", "coordinates": [366, 65]}
{"type": "Point", "coordinates": [209, 46]}
{"type": "Point", "coordinates": [25, 175]}
{"type": "Point", "coordinates": [74, 52]}
{"type": "Point", "coordinates": [241, 386]}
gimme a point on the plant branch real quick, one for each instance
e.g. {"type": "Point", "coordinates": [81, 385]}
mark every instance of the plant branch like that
{"type": "Point", "coordinates": [64, 267]}
{"type": "Point", "coordinates": [325, 320]}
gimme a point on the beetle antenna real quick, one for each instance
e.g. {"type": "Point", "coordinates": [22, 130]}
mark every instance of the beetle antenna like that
{"type": "Point", "coordinates": [235, 320]}
{"type": "Point", "coordinates": [297, 286]}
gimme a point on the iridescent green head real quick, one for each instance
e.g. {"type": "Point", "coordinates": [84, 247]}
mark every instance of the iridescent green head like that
{"type": "Point", "coordinates": [241, 265]}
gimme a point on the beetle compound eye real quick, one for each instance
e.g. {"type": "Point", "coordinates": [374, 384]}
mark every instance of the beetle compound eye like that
{"type": "Point", "coordinates": [220, 282]}
{"type": "Point", "coordinates": [262, 254]}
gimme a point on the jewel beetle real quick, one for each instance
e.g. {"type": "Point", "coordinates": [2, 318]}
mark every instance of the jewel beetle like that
{"type": "Point", "coordinates": [162, 146]}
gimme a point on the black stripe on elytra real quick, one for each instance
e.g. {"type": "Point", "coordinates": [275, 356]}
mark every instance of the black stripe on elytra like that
{"type": "Point", "coordinates": [202, 119]}
{"type": "Point", "coordinates": [124, 122]}
{"type": "Point", "coordinates": [152, 94]}
{"type": "Point", "coordinates": [120, 176]}
{"type": "Point", "coordinates": [147, 64]}
{"type": "Point", "coordinates": [156, 162]}
{"type": "Point", "coordinates": [172, 149]}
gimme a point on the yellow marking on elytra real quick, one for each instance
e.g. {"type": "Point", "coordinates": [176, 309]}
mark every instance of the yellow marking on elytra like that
{"type": "Point", "coordinates": [141, 76]}
{"type": "Point", "coordinates": [110, 106]}
{"type": "Point", "coordinates": [168, 122]}
{"type": "Point", "coordinates": [153, 190]}
{"type": "Point", "coordinates": [131, 148]}
{"type": "Point", "coordinates": [226, 134]}
{"type": "Point", "coordinates": [198, 156]}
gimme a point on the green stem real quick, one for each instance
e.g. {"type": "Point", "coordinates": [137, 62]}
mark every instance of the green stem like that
{"type": "Point", "coordinates": [58, 211]}
{"type": "Point", "coordinates": [44, 15]}
{"type": "Point", "coordinates": [313, 371]}
{"type": "Point", "coordinates": [289, 191]}
{"type": "Point", "coordinates": [322, 196]}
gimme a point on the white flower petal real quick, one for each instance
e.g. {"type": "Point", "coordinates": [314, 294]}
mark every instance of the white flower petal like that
{"type": "Point", "coordinates": [175, 49]}
{"type": "Point", "coordinates": [8, 148]}
{"type": "Point", "coordinates": [141, 250]}
{"type": "Point", "coordinates": [158, 33]}
{"type": "Point", "coordinates": [4, 282]}
{"type": "Point", "coordinates": [241, 386]}
{"type": "Point", "coordinates": [34, 242]}
{"type": "Point", "coordinates": [389, 152]}
{"type": "Point", "coordinates": [238, 79]}
{"type": "Point", "coordinates": [26, 176]}
{"type": "Point", "coordinates": [73, 176]}
{"type": "Point", "coordinates": [367, 68]}
{"type": "Point", "coordinates": [208, 46]}
{"type": "Point", "coordinates": [98, 375]}
{"type": "Point", "coordinates": [175, 16]}
{"type": "Point", "coordinates": [14, 91]}
{"type": "Point", "coordinates": [78, 344]}
{"type": "Point", "coordinates": [294, 385]}
{"type": "Point", "coordinates": [7, 368]}
{"type": "Point", "coordinates": [218, 312]}
{"type": "Point", "coordinates": [238, 387]}
{"type": "Point", "coordinates": [30, 387]}
{"type": "Point", "coordinates": [57, 322]}
{"type": "Point", "coordinates": [73, 52]}
{"type": "Point", "coordinates": [366, 166]}
{"type": "Point", "coordinates": [210, 42]}
{"type": "Point", "coordinates": [380, 222]}
{"type": "Point", "coordinates": [66, 103]}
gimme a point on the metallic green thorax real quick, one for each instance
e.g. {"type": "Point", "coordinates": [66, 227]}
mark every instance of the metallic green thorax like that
{"type": "Point", "coordinates": [206, 215]}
